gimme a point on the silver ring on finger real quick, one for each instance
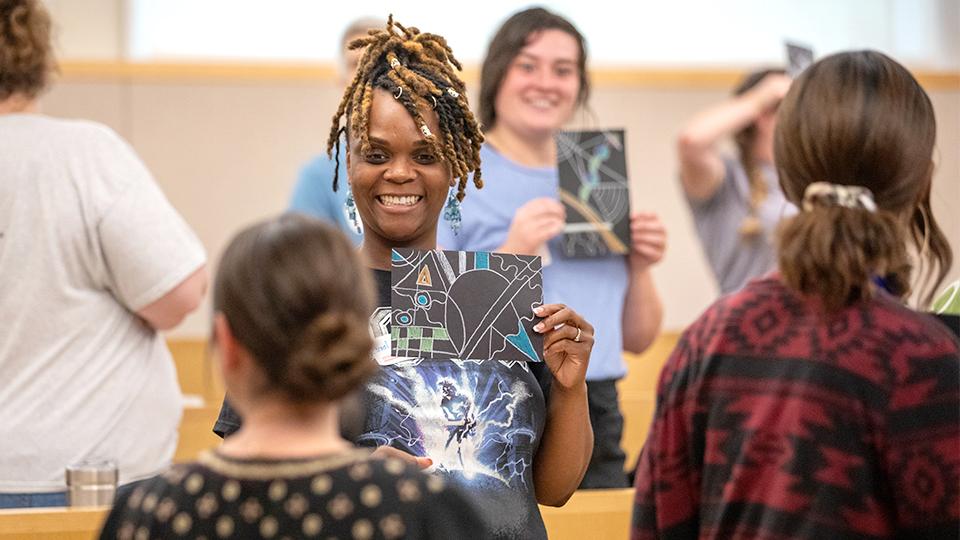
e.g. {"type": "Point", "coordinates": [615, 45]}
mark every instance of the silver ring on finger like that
{"type": "Point", "coordinates": [577, 338]}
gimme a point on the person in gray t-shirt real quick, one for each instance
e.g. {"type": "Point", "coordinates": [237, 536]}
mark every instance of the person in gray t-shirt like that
{"type": "Point", "coordinates": [95, 262]}
{"type": "Point", "coordinates": [736, 203]}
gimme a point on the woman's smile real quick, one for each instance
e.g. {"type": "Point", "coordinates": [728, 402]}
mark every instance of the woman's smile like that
{"type": "Point", "coordinates": [398, 202]}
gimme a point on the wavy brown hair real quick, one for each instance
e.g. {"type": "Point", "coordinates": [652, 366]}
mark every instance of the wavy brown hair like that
{"type": "Point", "coordinates": [297, 297]}
{"type": "Point", "coordinates": [26, 54]}
{"type": "Point", "coordinates": [858, 119]}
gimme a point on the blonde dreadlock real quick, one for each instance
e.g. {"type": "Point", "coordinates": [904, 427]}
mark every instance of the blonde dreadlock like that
{"type": "Point", "coordinates": [419, 69]}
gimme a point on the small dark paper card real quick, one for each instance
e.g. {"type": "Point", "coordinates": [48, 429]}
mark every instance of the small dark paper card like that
{"type": "Point", "coordinates": [595, 192]}
{"type": "Point", "coordinates": [465, 305]}
{"type": "Point", "coordinates": [799, 57]}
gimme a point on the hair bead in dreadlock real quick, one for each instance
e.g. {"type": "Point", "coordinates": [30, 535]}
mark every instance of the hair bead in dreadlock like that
{"type": "Point", "coordinates": [420, 69]}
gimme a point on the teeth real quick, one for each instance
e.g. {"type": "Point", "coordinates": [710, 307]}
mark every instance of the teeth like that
{"type": "Point", "coordinates": [394, 200]}
{"type": "Point", "coordinates": [541, 103]}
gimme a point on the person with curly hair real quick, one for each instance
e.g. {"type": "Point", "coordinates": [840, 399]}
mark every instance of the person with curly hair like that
{"type": "Point", "coordinates": [95, 262]}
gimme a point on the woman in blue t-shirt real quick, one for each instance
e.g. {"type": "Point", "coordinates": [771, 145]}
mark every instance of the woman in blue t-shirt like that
{"type": "Point", "coordinates": [532, 81]}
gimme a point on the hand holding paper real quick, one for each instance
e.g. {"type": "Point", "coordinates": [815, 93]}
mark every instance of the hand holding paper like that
{"type": "Point", "coordinates": [648, 238]}
{"type": "Point", "coordinates": [567, 342]}
{"type": "Point", "coordinates": [770, 91]}
{"type": "Point", "coordinates": [533, 225]}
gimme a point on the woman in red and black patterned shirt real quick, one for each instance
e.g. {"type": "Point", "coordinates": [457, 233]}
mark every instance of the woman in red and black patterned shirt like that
{"type": "Point", "coordinates": [814, 403]}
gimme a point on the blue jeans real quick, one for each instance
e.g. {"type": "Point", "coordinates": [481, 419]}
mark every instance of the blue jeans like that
{"type": "Point", "coordinates": [57, 498]}
{"type": "Point", "coordinates": [33, 500]}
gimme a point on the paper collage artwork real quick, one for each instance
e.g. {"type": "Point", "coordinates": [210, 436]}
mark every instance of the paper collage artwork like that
{"type": "Point", "coordinates": [465, 305]}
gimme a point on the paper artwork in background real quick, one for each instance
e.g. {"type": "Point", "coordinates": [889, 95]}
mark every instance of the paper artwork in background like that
{"type": "Point", "coordinates": [949, 300]}
{"type": "Point", "coordinates": [595, 192]}
{"type": "Point", "coordinates": [947, 307]}
{"type": "Point", "coordinates": [799, 57]}
{"type": "Point", "coordinates": [465, 305]}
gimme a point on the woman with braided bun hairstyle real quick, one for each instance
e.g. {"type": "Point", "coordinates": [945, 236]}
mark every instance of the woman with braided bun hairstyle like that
{"type": "Point", "coordinates": [511, 434]}
{"type": "Point", "coordinates": [813, 403]}
{"type": "Point", "coordinates": [291, 333]}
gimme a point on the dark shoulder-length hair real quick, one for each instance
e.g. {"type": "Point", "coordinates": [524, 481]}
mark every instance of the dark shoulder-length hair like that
{"type": "Point", "coordinates": [506, 44]}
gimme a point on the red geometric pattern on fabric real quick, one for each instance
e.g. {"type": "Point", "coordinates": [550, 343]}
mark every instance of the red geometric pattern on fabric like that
{"type": "Point", "coordinates": [775, 420]}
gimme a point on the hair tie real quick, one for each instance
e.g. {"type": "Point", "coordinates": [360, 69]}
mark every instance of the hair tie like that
{"type": "Point", "coordinates": [827, 194]}
{"type": "Point", "coordinates": [394, 63]}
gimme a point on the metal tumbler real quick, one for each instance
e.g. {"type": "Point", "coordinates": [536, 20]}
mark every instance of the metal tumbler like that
{"type": "Point", "coordinates": [92, 483]}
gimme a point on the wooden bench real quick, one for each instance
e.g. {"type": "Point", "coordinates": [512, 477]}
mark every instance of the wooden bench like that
{"type": "Point", "coordinates": [196, 432]}
{"type": "Point", "coordinates": [595, 514]}
{"type": "Point", "coordinates": [638, 393]}
{"type": "Point", "coordinates": [51, 523]}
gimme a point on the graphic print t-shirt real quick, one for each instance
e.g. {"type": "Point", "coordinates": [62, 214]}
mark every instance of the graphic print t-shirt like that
{"type": "Point", "coordinates": [480, 423]}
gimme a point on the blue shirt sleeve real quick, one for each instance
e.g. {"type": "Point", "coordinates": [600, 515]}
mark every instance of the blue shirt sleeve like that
{"type": "Point", "coordinates": [313, 194]}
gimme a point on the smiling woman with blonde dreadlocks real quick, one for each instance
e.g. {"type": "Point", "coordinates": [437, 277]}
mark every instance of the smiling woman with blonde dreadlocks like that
{"type": "Point", "coordinates": [524, 433]}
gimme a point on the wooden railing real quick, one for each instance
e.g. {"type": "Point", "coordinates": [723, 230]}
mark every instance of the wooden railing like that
{"type": "Point", "coordinates": [601, 76]}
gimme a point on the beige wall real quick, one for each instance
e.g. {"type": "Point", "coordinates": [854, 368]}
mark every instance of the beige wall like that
{"type": "Point", "coordinates": [89, 29]}
{"type": "Point", "coordinates": [226, 152]}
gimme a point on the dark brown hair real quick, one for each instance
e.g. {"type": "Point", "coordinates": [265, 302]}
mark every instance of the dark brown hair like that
{"type": "Point", "coordinates": [512, 36]}
{"type": "Point", "coordinates": [745, 140]}
{"type": "Point", "coordinates": [26, 55]}
{"type": "Point", "coordinates": [858, 119]}
{"type": "Point", "coordinates": [297, 297]}
{"type": "Point", "coordinates": [420, 70]}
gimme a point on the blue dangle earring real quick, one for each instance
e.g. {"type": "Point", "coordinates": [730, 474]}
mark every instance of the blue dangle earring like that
{"type": "Point", "coordinates": [350, 208]}
{"type": "Point", "coordinates": [451, 213]}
